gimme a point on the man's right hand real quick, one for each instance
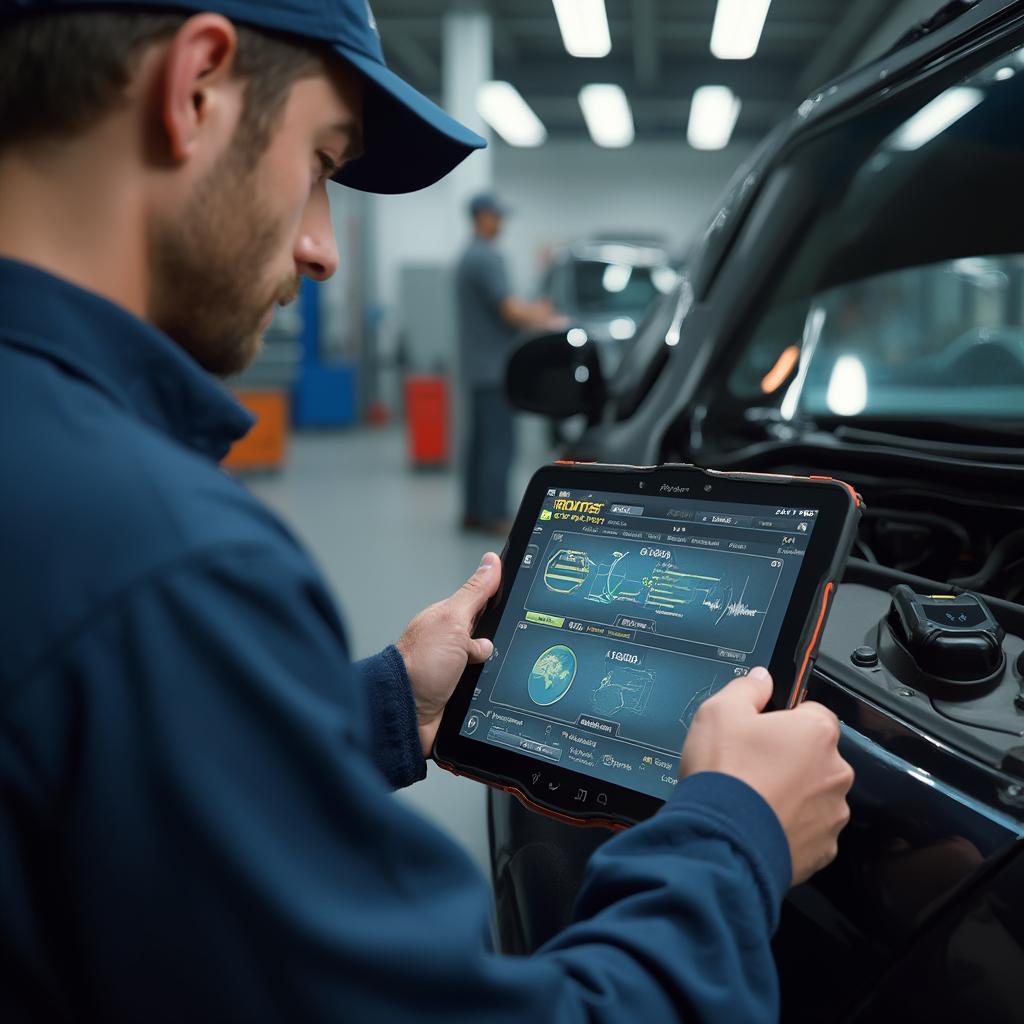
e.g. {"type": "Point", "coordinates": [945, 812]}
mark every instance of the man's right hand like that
{"type": "Point", "coordinates": [791, 758]}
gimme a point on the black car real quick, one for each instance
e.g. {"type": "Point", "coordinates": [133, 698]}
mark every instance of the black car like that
{"type": "Point", "coordinates": [856, 308]}
{"type": "Point", "coordinates": [605, 285]}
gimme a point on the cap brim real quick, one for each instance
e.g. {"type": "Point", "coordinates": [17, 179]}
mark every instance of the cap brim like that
{"type": "Point", "coordinates": [408, 141]}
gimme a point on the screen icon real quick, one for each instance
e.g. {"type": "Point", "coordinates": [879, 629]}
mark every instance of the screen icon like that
{"type": "Point", "coordinates": [545, 514]}
{"type": "Point", "coordinates": [552, 492]}
{"type": "Point", "coordinates": [471, 723]}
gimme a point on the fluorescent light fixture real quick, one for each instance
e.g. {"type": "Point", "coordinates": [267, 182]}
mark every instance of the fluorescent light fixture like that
{"type": "Point", "coordinates": [713, 113]}
{"type": "Point", "coordinates": [622, 328]}
{"type": "Point", "coordinates": [932, 120]}
{"type": "Point", "coordinates": [584, 27]}
{"type": "Point", "coordinates": [606, 111]}
{"type": "Point", "coordinates": [504, 109]}
{"type": "Point", "coordinates": [615, 277]}
{"type": "Point", "coordinates": [847, 393]}
{"type": "Point", "coordinates": [737, 28]}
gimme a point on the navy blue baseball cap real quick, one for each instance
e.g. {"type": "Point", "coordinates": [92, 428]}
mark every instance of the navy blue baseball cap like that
{"type": "Point", "coordinates": [408, 141]}
{"type": "Point", "coordinates": [490, 202]}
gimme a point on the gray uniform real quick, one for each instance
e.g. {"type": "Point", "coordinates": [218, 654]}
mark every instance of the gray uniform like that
{"type": "Point", "coordinates": [484, 337]}
{"type": "Point", "coordinates": [485, 341]}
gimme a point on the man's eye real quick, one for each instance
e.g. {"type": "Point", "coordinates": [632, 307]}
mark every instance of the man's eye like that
{"type": "Point", "coordinates": [327, 166]}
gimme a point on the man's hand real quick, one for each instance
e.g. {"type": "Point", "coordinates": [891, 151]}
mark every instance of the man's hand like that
{"type": "Point", "coordinates": [438, 644]}
{"type": "Point", "coordinates": [791, 758]}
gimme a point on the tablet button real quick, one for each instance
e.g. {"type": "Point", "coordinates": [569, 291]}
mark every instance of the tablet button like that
{"type": "Point", "coordinates": [602, 799]}
{"type": "Point", "coordinates": [471, 724]}
{"type": "Point", "coordinates": [553, 786]}
{"type": "Point", "coordinates": [581, 795]}
{"type": "Point", "coordinates": [535, 778]}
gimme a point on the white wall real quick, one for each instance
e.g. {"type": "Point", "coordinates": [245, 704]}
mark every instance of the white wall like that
{"type": "Point", "coordinates": [559, 191]}
{"type": "Point", "coordinates": [567, 190]}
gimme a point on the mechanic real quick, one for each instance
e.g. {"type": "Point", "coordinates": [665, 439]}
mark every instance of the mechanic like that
{"type": "Point", "coordinates": [490, 319]}
{"type": "Point", "coordinates": [195, 820]}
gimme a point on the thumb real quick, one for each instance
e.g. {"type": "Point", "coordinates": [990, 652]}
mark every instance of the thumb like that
{"type": "Point", "coordinates": [754, 689]}
{"type": "Point", "coordinates": [479, 651]}
{"type": "Point", "coordinates": [480, 587]}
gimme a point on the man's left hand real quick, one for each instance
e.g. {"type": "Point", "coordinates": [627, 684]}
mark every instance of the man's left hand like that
{"type": "Point", "coordinates": [438, 644]}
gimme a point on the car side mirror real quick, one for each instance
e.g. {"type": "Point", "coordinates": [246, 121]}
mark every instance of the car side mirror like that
{"type": "Point", "coordinates": [557, 375]}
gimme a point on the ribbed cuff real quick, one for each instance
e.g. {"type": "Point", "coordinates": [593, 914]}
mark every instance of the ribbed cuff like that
{"type": "Point", "coordinates": [396, 740]}
{"type": "Point", "coordinates": [743, 815]}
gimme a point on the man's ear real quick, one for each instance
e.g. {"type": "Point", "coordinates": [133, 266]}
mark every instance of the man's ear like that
{"type": "Point", "coordinates": [196, 89]}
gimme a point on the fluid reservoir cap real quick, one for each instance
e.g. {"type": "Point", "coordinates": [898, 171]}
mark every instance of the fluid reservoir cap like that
{"type": "Point", "coordinates": [865, 657]}
{"type": "Point", "coordinates": [952, 637]}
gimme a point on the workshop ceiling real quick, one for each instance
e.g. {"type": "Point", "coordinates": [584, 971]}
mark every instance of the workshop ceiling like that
{"type": "Point", "coordinates": [660, 55]}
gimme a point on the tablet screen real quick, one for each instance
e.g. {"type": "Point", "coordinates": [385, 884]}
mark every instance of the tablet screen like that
{"type": "Point", "coordinates": [626, 613]}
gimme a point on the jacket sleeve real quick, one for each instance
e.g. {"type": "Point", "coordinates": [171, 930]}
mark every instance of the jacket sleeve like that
{"type": "Point", "coordinates": [228, 849]}
{"type": "Point", "coordinates": [395, 738]}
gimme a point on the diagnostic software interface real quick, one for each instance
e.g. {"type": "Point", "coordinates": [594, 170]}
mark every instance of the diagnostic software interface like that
{"type": "Point", "coordinates": [626, 614]}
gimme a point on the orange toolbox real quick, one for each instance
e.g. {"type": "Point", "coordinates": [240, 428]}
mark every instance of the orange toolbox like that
{"type": "Point", "coordinates": [266, 445]}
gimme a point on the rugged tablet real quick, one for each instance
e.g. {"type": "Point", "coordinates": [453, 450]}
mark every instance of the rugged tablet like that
{"type": "Point", "coordinates": [629, 596]}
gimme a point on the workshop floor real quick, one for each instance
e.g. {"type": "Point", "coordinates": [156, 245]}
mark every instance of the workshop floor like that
{"type": "Point", "coordinates": [386, 538]}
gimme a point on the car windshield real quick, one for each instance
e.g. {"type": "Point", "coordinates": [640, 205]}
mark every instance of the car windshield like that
{"type": "Point", "coordinates": [604, 287]}
{"type": "Point", "coordinates": [904, 299]}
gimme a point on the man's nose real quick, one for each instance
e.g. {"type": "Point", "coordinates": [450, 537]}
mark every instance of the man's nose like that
{"type": "Point", "coordinates": [316, 252]}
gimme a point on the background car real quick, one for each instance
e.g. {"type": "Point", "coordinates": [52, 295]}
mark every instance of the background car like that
{"type": "Point", "coordinates": [606, 286]}
{"type": "Point", "coordinates": [855, 309]}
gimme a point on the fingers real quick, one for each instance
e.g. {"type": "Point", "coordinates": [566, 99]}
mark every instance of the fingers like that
{"type": "Point", "coordinates": [754, 689]}
{"type": "Point", "coordinates": [811, 708]}
{"type": "Point", "coordinates": [471, 597]}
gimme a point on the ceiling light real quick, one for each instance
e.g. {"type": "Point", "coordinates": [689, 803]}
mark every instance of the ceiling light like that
{"type": "Point", "coordinates": [713, 114]}
{"type": "Point", "coordinates": [606, 111]}
{"type": "Point", "coordinates": [505, 110]}
{"type": "Point", "coordinates": [931, 120]}
{"type": "Point", "coordinates": [737, 28]}
{"type": "Point", "coordinates": [584, 27]}
{"type": "Point", "coordinates": [577, 337]}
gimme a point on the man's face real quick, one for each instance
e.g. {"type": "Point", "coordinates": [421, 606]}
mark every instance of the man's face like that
{"type": "Point", "coordinates": [248, 232]}
{"type": "Point", "coordinates": [488, 223]}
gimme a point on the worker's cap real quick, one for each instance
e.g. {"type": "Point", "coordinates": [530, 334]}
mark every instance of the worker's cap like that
{"type": "Point", "coordinates": [408, 141]}
{"type": "Point", "coordinates": [488, 202]}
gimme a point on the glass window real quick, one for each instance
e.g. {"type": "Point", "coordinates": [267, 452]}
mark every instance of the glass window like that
{"type": "Point", "coordinates": [615, 287]}
{"type": "Point", "coordinates": [905, 297]}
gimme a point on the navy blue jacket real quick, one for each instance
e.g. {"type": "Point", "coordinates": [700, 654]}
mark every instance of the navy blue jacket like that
{"type": "Point", "coordinates": [195, 812]}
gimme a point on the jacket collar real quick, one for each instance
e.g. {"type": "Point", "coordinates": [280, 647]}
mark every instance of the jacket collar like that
{"type": "Point", "coordinates": [131, 362]}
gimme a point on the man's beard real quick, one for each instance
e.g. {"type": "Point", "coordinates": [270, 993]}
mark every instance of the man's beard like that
{"type": "Point", "coordinates": [208, 292]}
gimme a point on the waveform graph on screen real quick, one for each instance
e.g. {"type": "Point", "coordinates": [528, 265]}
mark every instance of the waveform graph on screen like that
{"type": "Point", "coordinates": [712, 596]}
